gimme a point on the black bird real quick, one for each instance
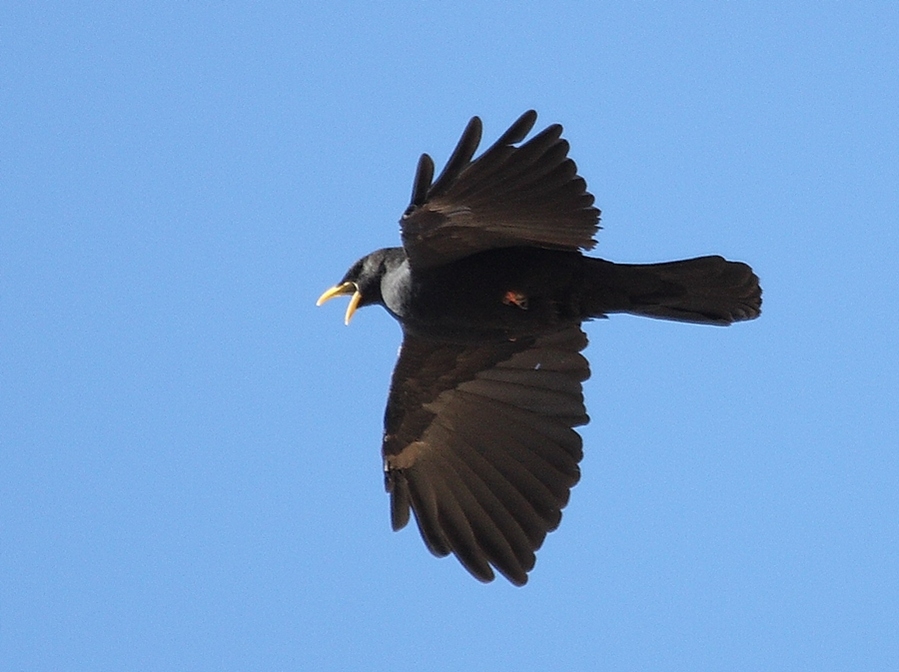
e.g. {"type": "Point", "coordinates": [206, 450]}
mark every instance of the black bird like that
{"type": "Point", "coordinates": [490, 288]}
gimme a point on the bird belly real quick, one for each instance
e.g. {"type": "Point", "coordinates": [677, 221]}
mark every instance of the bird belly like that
{"type": "Point", "coordinates": [501, 293]}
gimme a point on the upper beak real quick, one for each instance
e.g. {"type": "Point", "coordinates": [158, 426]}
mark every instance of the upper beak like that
{"type": "Point", "coordinates": [343, 289]}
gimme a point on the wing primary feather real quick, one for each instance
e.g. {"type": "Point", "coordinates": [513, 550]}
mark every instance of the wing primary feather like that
{"type": "Point", "coordinates": [491, 170]}
{"type": "Point", "coordinates": [459, 159]}
{"type": "Point", "coordinates": [424, 504]}
{"type": "Point", "coordinates": [424, 173]}
{"type": "Point", "coordinates": [546, 148]}
{"type": "Point", "coordinates": [398, 488]}
{"type": "Point", "coordinates": [517, 131]}
{"type": "Point", "coordinates": [488, 520]}
{"type": "Point", "coordinates": [458, 532]}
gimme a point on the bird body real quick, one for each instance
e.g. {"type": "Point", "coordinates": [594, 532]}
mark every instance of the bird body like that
{"type": "Point", "coordinates": [504, 293]}
{"type": "Point", "coordinates": [518, 291]}
{"type": "Point", "coordinates": [491, 288]}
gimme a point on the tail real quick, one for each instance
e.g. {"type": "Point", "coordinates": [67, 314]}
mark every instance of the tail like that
{"type": "Point", "coordinates": [705, 290]}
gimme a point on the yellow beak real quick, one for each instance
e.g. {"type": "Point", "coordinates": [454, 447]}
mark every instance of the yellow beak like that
{"type": "Point", "coordinates": [343, 289]}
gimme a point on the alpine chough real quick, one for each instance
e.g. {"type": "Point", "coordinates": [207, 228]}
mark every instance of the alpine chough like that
{"type": "Point", "coordinates": [490, 288]}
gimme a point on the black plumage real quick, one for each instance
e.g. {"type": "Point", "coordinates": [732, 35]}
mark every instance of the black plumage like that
{"type": "Point", "coordinates": [490, 287]}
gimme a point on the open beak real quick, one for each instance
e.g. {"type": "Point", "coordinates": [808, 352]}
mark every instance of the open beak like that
{"type": "Point", "coordinates": [344, 289]}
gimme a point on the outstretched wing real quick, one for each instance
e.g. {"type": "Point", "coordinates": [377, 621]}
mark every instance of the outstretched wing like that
{"type": "Point", "coordinates": [526, 195]}
{"type": "Point", "coordinates": [479, 443]}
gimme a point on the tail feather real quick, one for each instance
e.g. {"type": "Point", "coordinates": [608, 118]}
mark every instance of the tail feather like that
{"type": "Point", "coordinates": [705, 290]}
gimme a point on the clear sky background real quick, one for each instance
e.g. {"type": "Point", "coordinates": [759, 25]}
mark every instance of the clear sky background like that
{"type": "Point", "coordinates": [190, 474]}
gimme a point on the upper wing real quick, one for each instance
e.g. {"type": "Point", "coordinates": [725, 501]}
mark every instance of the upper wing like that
{"type": "Point", "coordinates": [525, 195]}
{"type": "Point", "coordinates": [479, 443]}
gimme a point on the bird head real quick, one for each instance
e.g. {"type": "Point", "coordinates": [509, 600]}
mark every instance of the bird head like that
{"type": "Point", "coordinates": [362, 282]}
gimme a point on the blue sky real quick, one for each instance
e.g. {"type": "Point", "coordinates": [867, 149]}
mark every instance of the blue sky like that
{"type": "Point", "coordinates": [190, 473]}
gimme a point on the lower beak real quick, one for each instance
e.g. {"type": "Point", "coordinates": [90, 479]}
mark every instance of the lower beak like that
{"type": "Point", "coordinates": [343, 289]}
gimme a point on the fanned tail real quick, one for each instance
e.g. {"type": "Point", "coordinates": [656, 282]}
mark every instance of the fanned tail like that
{"type": "Point", "coordinates": [704, 290]}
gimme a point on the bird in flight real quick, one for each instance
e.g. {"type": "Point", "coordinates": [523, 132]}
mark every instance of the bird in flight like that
{"type": "Point", "coordinates": [490, 288]}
